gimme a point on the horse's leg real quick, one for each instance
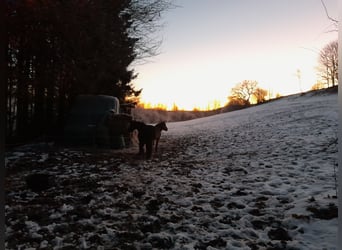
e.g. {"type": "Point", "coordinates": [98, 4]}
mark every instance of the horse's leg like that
{"type": "Point", "coordinates": [149, 146]}
{"type": "Point", "coordinates": [141, 148]}
{"type": "Point", "coordinates": [156, 149]}
{"type": "Point", "coordinates": [141, 143]}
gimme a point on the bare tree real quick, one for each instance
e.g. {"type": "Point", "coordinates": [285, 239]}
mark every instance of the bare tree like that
{"type": "Point", "coordinates": [243, 92]}
{"type": "Point", "coordinates": [328, 64]}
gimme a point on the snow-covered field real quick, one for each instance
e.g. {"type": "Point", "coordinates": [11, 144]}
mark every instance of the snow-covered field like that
{"type": "Point", "coordinates": [259, 178]}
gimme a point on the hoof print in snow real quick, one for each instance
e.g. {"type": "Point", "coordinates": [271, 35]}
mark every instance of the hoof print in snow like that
{"type": "Point", "coordinates": [256, 212]}
{"type": "Point", "coordinates": [279, 234]}
{"type": "Point", "coordinates": [216, 243]}
{"type": "Point", "coordinates": [284, 200]}
{"type": "Point", "coordinates": [61, 229]}
{"type": "Point", "coordinates": [305, 218]}
{"type": "Point", "coordinates": [86, 199]}
{"type": "Point", "coordinates": [261, 198]}
{"type": "Point", "coordinates": [326, 213]}
{"type": "Point", "coordinates": [260, 205]}
{"type": "Point", "coordinates": [153, 206]}
{"type": "Point", "coordinates": [240, 193]}
{"type": "Point", "coordinates": [312, 199]}
{"type": "Point", "coordinates": [259, 224]}
{"type": "Point", "coordinates": [151, 226]}
{"type": "Point", "coordinates": [126, 236]}
{"type": "Point", "coordinates": [196, 185]}
{"type": "Point", "coordinates": [233, 205]}
{"type": "Point", "coordinates": [175, 218]}
{"type": "Point", "coordinates": [81, 212]}
{"type": "Point", "coordinates": [216, 203]}
{"type": "Point", "coordinates": [197, 209]}
{"type": "Point", "coordinates": [39, 182]}
{"type": "Point", "coordinates": [161, 241]}
{"type": "Point", "coordinates": [138, 193]}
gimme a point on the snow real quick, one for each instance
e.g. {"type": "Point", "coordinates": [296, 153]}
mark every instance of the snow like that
{"type": "Point", "coordinates": [248, 179]}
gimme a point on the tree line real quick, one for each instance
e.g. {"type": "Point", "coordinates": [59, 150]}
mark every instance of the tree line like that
{"type": "Point", "coordinates": [56, 50]}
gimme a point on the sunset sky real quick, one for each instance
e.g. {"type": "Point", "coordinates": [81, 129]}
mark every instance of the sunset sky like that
{"type": "Point", "coordinates": [211, 45]}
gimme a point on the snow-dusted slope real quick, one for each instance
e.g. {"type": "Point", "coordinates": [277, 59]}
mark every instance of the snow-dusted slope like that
{"type": "Point", "coordinates": [277, 158]}
{"type": "Point", "coordinates": [259, 178]}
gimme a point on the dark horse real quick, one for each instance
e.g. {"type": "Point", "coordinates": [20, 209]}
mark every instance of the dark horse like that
{"type": "Point", "coordinates": [158, 129]}
{"type": "Point", "coordinates": [147, 134]}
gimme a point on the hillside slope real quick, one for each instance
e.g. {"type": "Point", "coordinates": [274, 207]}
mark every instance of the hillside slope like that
{"type": "Point", "coordinates": [259, 178]}
{"type": "Point", "coordinates": [155, 115]}
{"type": "Point", "coordinates": [282, 154]}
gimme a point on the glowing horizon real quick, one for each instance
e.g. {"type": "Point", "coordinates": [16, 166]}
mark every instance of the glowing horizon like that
{"type": "Point", "coordinates": [280, 80]}
{"type": "Point", "coordinates": [211, 105]}
{"type": "Point", "coordinates": [199, 66]}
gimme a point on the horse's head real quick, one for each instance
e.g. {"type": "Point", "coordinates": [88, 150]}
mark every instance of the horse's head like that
{"type": "Point", "coordinates": [162, 126]}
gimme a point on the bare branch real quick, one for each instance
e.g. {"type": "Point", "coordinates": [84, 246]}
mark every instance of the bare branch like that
{"type": "Point", "coordinates": [145, 18]}
{"type": "Point", "coordinates": [335, 21]}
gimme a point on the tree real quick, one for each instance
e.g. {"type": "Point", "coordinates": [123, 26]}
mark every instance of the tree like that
{"type": "Point", "coordinates": [318, 85]}
{"type": "Point", "coordinates": [328, 64]}
{"type": "Point", "coordinates": [260, 95]}
{"type": "Point", "coordinates": [243, 92]}
{"type": "Point", "coordinates": [58, 49]}
{"type": "Point", "coordinates": [175, 107]}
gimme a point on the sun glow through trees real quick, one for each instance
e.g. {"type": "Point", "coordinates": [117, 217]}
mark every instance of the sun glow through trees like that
{"type": "Point", "coordinates": [211, 105]}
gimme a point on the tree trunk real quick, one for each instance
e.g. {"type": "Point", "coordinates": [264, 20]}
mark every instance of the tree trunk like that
{"type": "Point", "coordinates": [22, 100]}
{"type": "Point", "coordinates": [3, 76]}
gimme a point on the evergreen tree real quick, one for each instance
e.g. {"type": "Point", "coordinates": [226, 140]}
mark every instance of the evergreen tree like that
{"type": "Point", "coordinates": [58, 49]}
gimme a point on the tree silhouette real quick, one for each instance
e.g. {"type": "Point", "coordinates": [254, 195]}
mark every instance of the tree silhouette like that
{"type": "Point", "coordinates": [328, 64]}
{"type": "Point", "coordinates": [58, 49]}
{"type": "Point", "coordinates": [242, 93]}
{"type": "Point", "coordinates": [260, 95]}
